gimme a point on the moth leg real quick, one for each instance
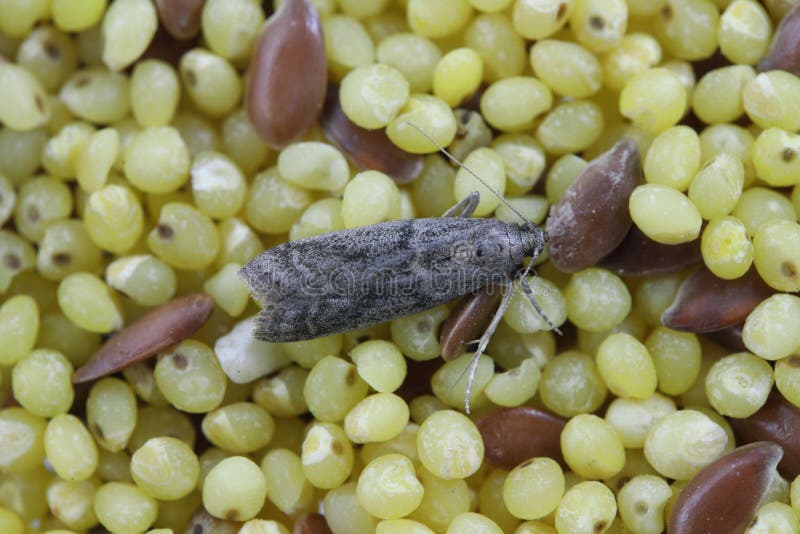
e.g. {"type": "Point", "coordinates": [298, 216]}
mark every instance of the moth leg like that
{"type": "Point", "coordinates": [464, 208]}
{"type": "Point", "coordinates": [526, 288]}
{"type": "Point", "coordinates": [484, 340]}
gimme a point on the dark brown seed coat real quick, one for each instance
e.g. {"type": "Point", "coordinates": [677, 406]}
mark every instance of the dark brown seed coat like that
{"type": "Point", "coordinates": [467, 322]}
{"type": "Point", "coordinates": [784, 53]}
{"type": "Point", "coordinates": [638, 255]}
{"type": "Point", "coordinates": [705, 303]}
{"type": "Point", "coordinates": [368, 149]}
{"type": "Point", "coordinates": [592, 217]}
{"type": "Point", "coordinates": [778, 421]}
{"type": "Point", "coordinates": [725, 495]}
{"type": "Point", "coordinates": [164, 326]}
{"type": "Point", "coordinates": [513, 435]}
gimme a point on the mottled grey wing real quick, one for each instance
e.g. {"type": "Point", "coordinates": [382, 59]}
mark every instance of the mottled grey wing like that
{"type": "Point", "coordinates": [354, 278]}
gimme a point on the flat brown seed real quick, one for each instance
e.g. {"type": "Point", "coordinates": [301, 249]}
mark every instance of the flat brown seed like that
{"type": "Point", "coordinates": [705, 303]}
{"type": "Point", "coordinates": [164, 326]}
{"type": "Point", "coordinates": [166, 47]}
{"type": "Point", "coordinates": [288, 74]}
{"type": "Point", "coordinates": [513, 435]}
{"type": "Point", "coordinates": [725, 495]}
{"type": "Point", "coordinates": [467, 322]}
{"type": "Point", "coordinates": [784, 52]}
{"type": "Point", "coordinates": [418, 378]}
{"type": "Point", "coordinates": [638, 255]}
{"type": "Point", "coordinates": [311, 523]}
{"type": "Point", "coordinates": [592, 217]}
{"type": "Point", "coordinates": [778, 421]}
{"type": "Point", "coordinates": [368, 149]}
{"type": "Point", "coordinates": [730, 338]}
{"type": "Point", "coordinates": [181, 18]}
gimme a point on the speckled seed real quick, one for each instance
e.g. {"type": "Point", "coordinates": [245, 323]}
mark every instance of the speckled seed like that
{"type": "Point", "coordinates": [181, 18]}
{"type": "Point", "coordinates": [467, 322]}
{"type": "Point", "coordinates": [724, 496]}
{"type": "Point", "coordinates": [369, 149]}
{"type": "Point", "coordinates": [288, 74]}
{"type": "Point", "coordinates": [592, 217]}
{"type": "Point", "coordinates": [776, 421]}
{"type": "Point", "coordinates": [513, 435]}
{"type": "Point", "coordinates": [784, 53]}
{"type": "Point", "coordinates": [706, 303]}
{"type": "Point", "coordinates": [638, 255]}
{"type": "Point", "coordinates": [162, 327]}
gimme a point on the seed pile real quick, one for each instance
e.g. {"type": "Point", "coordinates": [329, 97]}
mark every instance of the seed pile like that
{"type": "Point", "coordinates": [150, 148]}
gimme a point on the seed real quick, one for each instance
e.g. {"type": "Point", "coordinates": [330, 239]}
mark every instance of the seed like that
{"type": "Point", "coordinates": [784, 53]}
{"type": "Point", "coordinates": [638, 255]}
{"type": "Point", "coordinates": [705, 303]}
{"type": "Point", "coordinates": [467, 321]}
{"type": "Point", "coordinates": [181, 18]}
{"type": "Point", "coordinates": [775, 421]}
{"type": "Point", "coordinates": [724, 496]}
{"type": "Point", "coordinates": [369, 149]}
{"type": "Point", "coordinates": [513, 435]}
{"type": "Point", "coordinates": [592, 217]}
{"type": "Point", "coordinates": [288, 74]}
{"type": "Point", "coordinates": [162, 327]}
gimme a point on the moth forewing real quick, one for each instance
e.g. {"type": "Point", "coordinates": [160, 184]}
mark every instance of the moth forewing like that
{"type": "Point", "coordinates": [359, 277]}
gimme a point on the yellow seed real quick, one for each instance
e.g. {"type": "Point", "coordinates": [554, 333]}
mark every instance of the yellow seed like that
{"type": "Point", "coordinates": [128, 26]}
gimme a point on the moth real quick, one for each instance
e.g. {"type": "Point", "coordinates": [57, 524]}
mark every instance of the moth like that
{"type": "Point", "coordinates": [354, 278]}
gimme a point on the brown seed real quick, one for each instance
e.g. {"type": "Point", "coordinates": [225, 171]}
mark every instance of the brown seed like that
{"type": "Point", "coordinates": [368, 149]}
{"type": "Point", "coordinates": [166, 47]}
{"type": "Point", "coordinates": [724, 496]}
{"type": "Point", "coordinates": [784, 53]}
{"type": "Point", "coordinates": [418, 378]}
{"type": "Point", "coordinates": [467, 322]}
{"type": "Point", "coordinates": [311, 523]}
{"type": "Point", "coordinates": [638, 255]}
{"type": "Point", "coordinates": [778, 420]}
{"type": "Point", "coordinates": [705, 303]}
{"type": "Point", "coordinates": [164, 326]}
{"type": "Point", "coordinates": [288, 74]}
{"type": "Point", "coordinates": [181, 18]}
{"type": "Point", "coordinates": [730, 338]}
{"type": "Point", "coordinates": [592, 217]}
{"type": "Point", "coordinates": [513, 435]}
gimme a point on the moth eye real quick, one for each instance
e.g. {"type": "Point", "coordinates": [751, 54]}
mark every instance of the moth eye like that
{"type": "Point", "coordinates": [480, 251]}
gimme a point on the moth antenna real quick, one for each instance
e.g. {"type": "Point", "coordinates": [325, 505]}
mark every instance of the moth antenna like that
{"type": "Point", "coordinates": [473, 174]}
